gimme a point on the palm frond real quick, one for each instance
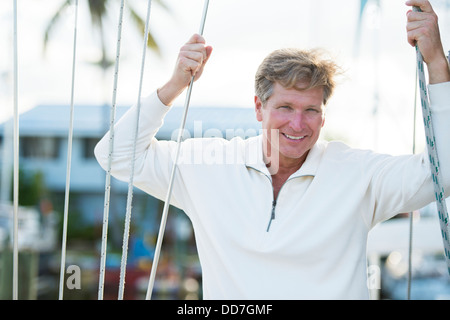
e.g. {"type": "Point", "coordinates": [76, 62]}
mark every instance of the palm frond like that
{"type": "Point", "coordinates": [140, 24]}
{"type": "Point", "coordinates": [97, 10]}
{"type": "Point", "coordinates": [163, 5]}
{"type": "Point", "coordinates": [53, 21]}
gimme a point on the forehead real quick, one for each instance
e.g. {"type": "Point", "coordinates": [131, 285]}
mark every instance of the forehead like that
{"type": "Point", "coordinates": [297, 95]}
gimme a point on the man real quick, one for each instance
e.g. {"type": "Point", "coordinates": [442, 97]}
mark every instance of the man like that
{"type": "Point", "coordinates": [282, 215]}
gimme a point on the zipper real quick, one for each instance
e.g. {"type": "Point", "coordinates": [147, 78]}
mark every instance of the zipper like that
{"type": "Point", "coordinates": [272, 215]}
{"type": "Point", "coordinates": [274, 201]}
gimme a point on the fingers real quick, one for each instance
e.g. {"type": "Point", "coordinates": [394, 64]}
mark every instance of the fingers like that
{"type": "Point", "coordinates": [423, 31]}
{"type": "Point", "coordinates": [194, 55]}
{"type": "Point", "coordinates": [424, 5]}
{"type": "Point", "coordinates": [196, 38]}
{"type": "Point", "coordinates": [191, 62]}
{"type": "Point", "coordinates": [195, 52]}
{"type": "Point", "coordinates": [195, 49]}
{"type": "Point", "coordinates": [421, 24]}
{"type": "Point", "coordinates": [209, 50]}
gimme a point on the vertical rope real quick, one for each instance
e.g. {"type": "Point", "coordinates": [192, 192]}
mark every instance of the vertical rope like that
{"type": "Point", "coordinates": [108, 172]}
{"type": "Point", "coordinates": [69, 161]}
{"type": "Point", "coordinates": [126, 233]}
{"type": "Point", "coordinates": [433, 157]}
{"type": "Point", "coordinates": [411, 214]}
{"type": "Point", "coordinates": [172, 175]}
{"type": "Point", "coordinates": [16, 165]}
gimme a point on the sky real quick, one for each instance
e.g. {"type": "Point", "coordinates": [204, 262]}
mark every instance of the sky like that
{"type": "Point", "coordinates": [380, 63]}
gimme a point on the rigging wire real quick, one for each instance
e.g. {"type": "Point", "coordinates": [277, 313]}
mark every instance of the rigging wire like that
{"type": "Point", "coordinates": [411, 214]}
{"type": "Point", "coordinates": [126, 233]}
{"type": "Point", "coordinates": [16, 164]}
{"type": "Point", "coordinates": [69, 161]}
{"type": "Point", "coordinates": [108, 171]}
{"type": "Point", "coordinates": [172, 175]}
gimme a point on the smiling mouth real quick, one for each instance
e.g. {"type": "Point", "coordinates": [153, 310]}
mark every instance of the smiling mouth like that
{"type": "Point", "coordinates": [293, 137]}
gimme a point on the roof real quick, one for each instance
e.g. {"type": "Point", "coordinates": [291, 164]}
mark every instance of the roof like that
{"type": "Point", "coordinates": [93, 121]}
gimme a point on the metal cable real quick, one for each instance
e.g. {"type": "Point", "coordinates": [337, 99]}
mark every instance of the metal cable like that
{"type": "Point", "coordinates": [108, 171]}
{"type": "Point", "coordinates": [172, 176]}
{"type": "Point", "coordinates": [126, 233]}
{"type": "Point", "coordinates": [16, 165]}
{"type": "Point", "coordinates": [411, 214]}
{"type": "Point", "coordinates": [69, 161]}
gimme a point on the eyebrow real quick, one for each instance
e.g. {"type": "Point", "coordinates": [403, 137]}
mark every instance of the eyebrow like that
{"type": "Point", "coordinates": [290, 104]}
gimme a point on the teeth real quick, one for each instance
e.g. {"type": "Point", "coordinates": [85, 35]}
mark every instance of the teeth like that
{"type": "Point", "coordinates": [293, 138]}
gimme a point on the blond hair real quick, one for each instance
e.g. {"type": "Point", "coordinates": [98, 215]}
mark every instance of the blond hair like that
{"type": "Point", "coordinates": [291, 66]}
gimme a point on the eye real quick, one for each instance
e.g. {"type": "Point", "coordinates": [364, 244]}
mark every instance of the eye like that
{"type": "Point", "coordinates": [313, 110]}
{"type": "Point", "coordinates": [285, 107]}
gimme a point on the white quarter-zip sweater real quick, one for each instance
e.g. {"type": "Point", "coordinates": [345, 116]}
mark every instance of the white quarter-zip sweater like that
{"type": "Point", "coordinates": [310, 242]}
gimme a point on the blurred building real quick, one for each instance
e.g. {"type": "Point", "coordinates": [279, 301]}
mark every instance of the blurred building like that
{"type": "Point", "coordinates": [43, 148]}
{"type": "Point", "coordinates": [43, 144]}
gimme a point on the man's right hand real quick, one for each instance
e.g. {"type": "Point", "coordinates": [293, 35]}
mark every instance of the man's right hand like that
{"type": "Point", "coordinates": [190, 63]}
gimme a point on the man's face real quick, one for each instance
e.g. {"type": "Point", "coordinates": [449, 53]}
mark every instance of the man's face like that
{"type": "Point", "coordinates": [298, 117]}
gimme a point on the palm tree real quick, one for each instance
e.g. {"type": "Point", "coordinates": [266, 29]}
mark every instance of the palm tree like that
{"type": "Point", "coordinates": [98, 10]}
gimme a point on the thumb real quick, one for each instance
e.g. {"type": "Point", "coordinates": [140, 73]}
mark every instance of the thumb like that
{"type": "Point", "coordinates": [209, 50]}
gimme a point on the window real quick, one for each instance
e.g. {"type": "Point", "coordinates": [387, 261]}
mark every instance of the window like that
{"type": "Point", "coordinates": [39, 147]}
{"type": "Point", "coordinates": [88, 147]}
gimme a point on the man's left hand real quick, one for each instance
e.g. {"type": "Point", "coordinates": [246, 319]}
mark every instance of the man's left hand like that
{"type": "Point", "coordinates": [423, 30]}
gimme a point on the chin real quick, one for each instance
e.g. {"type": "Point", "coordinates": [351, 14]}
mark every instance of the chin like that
{"type": "Point", "coordinates": [293, 155]}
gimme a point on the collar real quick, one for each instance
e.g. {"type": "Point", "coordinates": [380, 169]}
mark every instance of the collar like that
{"type": "Point", "coordinates": [254, 158]}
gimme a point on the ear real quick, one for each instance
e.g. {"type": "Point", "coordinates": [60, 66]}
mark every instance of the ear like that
{"type": "Point", "coordinates": [258, 107]}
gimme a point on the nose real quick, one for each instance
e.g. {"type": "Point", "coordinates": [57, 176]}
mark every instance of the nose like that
{"type": "Point", "coordinates": [297, 122]}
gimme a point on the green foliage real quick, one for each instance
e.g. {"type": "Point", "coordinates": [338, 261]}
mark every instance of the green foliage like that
{"type": "Point", "coordinates": [31, 188]}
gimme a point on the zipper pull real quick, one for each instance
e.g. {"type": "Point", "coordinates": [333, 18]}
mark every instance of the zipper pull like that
{"type": "Point", "coordinates": [272, 215]}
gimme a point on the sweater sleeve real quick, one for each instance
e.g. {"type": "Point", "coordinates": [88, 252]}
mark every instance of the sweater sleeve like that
{"type": "Point", "coordinates": [153, 158]}
{"type": "Point", "coordinates": [403, 183]}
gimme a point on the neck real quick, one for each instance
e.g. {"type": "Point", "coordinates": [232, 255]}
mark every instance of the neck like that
{"type": "Point", "coordinates": [282, 172]}
{"type": "Point", "coordinates": [285, 167]}
{"type": "Point", "coordinates": [280, 165]}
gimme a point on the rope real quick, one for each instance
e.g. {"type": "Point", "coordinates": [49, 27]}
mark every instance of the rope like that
{"type": "Point", "coordinates": [16, 166]}
{"type": "Point", "coordinates": [411, 214]}
{"type": "Point", "coordinates": [172, 175]}
{"type": "Point", "coordinates": [108, 171]}
{"type": "Point", "coordinates": [69, 161]}
{"type": "Point", "coordinates": [130, 184]}
{"type": "Point", "coordinates": [433, 157]}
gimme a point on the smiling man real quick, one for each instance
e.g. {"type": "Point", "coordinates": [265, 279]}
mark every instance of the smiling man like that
{"type": "Point", "coordinates": [292, 87]}
{"type": "Point", "coordinates": [288, 218]}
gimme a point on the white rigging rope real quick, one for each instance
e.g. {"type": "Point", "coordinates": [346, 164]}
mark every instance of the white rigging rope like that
{"type": "Point", "coordinates": [69, 161]}
{"type": "Point", "coordinates": [172, 176]}
{"type": "Point", "coordinates": [126, 233]}
{"type": "Point", "coordinates": [108, 172]}
{"type": "Point", "coordinates": [411, 214]}
{"type": "Point", "coordinates": [16, 165]}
